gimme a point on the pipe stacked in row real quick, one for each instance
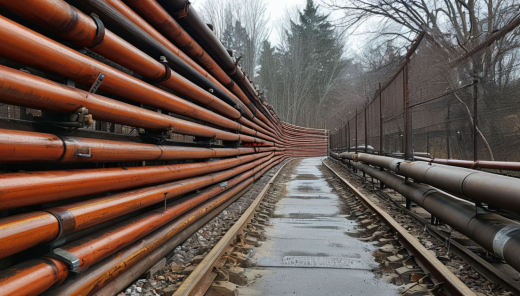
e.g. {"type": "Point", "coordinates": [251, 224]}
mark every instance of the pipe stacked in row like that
{"type": "Point", "coordinates": [101, 207]}
{"type": "Point", "coordinates": [494, 232]}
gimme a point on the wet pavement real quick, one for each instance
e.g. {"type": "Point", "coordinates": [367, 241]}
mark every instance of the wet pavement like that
{"type": "Point", "coordinates": [308, 250]}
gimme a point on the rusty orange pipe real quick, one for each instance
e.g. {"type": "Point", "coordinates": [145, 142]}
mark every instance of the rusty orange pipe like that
{"type": "Point", "coordinates": [74, 26]}
{"type": "Point", "coordinates": [32, 277]}
{"type": "Point", "coordinates": [97, 276]}
{"type": "Point", "coordinates": [96, 247]}
{"type": "Point", "coordinates": [156, 16]}
{"type": "Point", "coordinates": [143, 25]}
{"type": "Point", "coordinates": [22, 189]}
{"type": "Point", "coordinates": [19, 88]}
{"type": "Point", "coordinates": [21, 146]}
{"type": "Point", "coordinates": [125, 11]}
{"type": "Point", "coordinates": [20, 232]}
{"type": "Point", "coordinates": [25, 278]}
{"type": "Point", "coordinates": [17, 43]}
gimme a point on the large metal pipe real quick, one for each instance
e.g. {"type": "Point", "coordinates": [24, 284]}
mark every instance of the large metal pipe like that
{"type": "Point", "coordinates": [100, 274]}
{"type": "Point", "coordinates": [74, 26]}
{"type": "Point", "coordinates": [83, 33]}
{"type": "Point", "coordinates": [496, 190]}
{"type": "Point", "coordinates": [22, 189]}
{"type": "Point", "coordinates": [213, 46]}
{"type": "Point", "coordinates": [492, 231]}
{"type": "Point", "coordinates": [484, 164]}
{"type": "Point", "coordinates": [164, 23]}
{"type": "Point", "coordinates": [19, 88]}
{"type": "Point", "coordinates": [17, 43]}
{"type": "Point", "coordinates": [25, 147]}
{"type": "Point", "coordinates": [20, 232]}
{"type": "Point", "coordinates": [23, 279]}
{"type": "Point", "coordinates": [121, 14]}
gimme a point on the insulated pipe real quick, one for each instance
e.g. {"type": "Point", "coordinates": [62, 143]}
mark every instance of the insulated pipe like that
{"type": "Point", "coordinates": [496, 190]}
{"type": "Point", "coordinates": [181, 10]}
{"type": "Point", "coordinates": [20, 232]}
{"type": "Point", "coordinates": [498, 165]}
{"type": "Point", "coordinates": [493, 232]}
{"type": "Point", "coordinates": [22, 189]}
{"type": "Point", "coordinates": [17, 43]}
{"type": "Point", "coordinates": [22, 147]}
{"type": "Point", "coordinates": [102, 273]}
{"type": "Point", "coordinates": [164, 23]}
{"type": "Point", "coordinates": [22, 89]}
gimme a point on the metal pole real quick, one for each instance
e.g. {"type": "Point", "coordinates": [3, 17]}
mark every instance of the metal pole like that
{"type": "Point", "coordinates": [448, 131]}
{"type": "Point", "coordinates": [355, 148]}
{"type": "Point", "coordinates": [408, 154]}
{"type": "Point", "coordinates": [348, 136]}
{"type": "Point", "coordinates": [381, 152]}
{"type": "Point", "coordinates": [366, 131]}
{"type": "Point", "coordinates": [475, 117]}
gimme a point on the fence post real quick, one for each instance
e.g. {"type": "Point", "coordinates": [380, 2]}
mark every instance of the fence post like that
{"type": "Point", "coordinates": [366, 131]}
{"type": "Point", "coordinates": [448, 133]}
{"type": "Point", "coordinates": [348, 135]}
{"type": "Point", "coordinates": [380, 121]}
{"type": "Point", "coordinates": [408, 153]}
{"type": "Point", "coordinates": [355, 148]}
{"type": "Point", "coordinates": [475, 117]}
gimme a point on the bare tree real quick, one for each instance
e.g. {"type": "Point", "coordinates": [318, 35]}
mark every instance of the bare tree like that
{"type": "Point", "coordinates": [226, 15]}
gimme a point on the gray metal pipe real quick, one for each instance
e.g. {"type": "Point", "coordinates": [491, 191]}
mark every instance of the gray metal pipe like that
{"type": "Point", "coordinates": [496, 190]}
{"type": "Point", "coordinates": [493, 232]}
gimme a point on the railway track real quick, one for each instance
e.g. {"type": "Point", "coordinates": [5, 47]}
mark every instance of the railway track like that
{"type": "Point", "coordinates": [222, 270]}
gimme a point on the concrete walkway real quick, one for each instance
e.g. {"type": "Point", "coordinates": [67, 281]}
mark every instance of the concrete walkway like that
{"type": "Point", "coordinates": [308, 250]}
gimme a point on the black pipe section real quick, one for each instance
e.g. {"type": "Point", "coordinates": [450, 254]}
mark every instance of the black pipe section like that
{"type": "Point", "coordinates": [188, 18]}
{"type": "Point", "coordinates": [107, 12]}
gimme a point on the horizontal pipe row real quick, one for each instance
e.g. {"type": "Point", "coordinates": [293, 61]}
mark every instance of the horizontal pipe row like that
{"type": "Point", "coordinates": [25, 147]}
{"type": "Point", "coordinates": [492, 231]}
{"type": "Point", "coordinates": [197, 96]}
{"type": "Point", "coordinates": [90, 250]}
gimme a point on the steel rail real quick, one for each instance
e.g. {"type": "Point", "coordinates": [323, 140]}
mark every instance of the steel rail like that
{"type": "Point", "coordinates": [191, 283]}
{"type": "Point", "coordinates": [450, 283]}
{"type": "Point", "coordinates": [483, 267]}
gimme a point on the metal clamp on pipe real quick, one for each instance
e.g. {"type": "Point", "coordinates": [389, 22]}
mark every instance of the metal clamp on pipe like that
{"type": "Point", "coordinates": [167, 70]}
{"type": "Point", "coordinates": [65, 219]}
{"type": "Point", "coordinates": [184, 11]}
{"type": "Point", "coordinates": [70, 259]}
{"type": "Point", "coordinates": [100, 31]}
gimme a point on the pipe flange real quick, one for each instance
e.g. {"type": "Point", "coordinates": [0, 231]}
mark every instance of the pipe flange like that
{"type": "Point", "coordinates": [100, 31]}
